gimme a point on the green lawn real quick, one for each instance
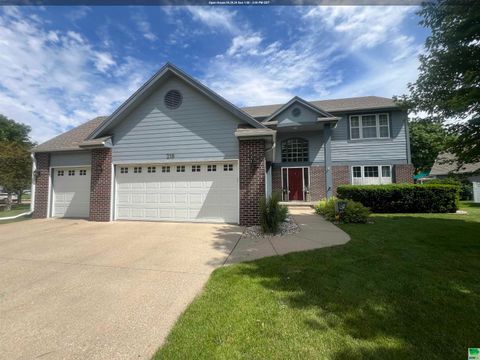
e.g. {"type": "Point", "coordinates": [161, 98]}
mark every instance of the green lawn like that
{"type": "Point", "coordinates": [405, 287]}
{"type": "Point", "coordinates": [16, 209]}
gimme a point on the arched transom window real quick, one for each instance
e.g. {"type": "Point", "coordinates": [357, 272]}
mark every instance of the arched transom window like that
{"type": "Point", "coordinates": [294, 150]}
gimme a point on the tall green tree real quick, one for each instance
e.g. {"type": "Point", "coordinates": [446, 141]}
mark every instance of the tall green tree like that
{"type": "Point", "coordinates": [428, 137]}
{"type": "Point", "coordinates": [448, 85]}
{"type": "Point", "coordinates": [15, 160]}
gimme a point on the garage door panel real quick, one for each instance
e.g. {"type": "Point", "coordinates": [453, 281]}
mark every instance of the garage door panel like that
{"type": "Point", "coordinates": [71, 192]}
{"type": "Point", "coordinates": [179, 196]}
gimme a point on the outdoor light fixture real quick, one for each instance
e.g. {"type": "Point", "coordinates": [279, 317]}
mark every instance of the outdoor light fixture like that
{"type": "Point", "coordinates": [36, 174]}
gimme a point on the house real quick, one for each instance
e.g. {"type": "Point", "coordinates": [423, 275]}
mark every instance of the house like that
{"type": "Point", "coordinates": [176, 150]}
{"type": "Point", "coordinates": [446, 165]}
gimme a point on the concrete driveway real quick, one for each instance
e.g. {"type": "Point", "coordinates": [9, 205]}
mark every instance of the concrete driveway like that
{"type": "Point", "coordinates": [72, 289]}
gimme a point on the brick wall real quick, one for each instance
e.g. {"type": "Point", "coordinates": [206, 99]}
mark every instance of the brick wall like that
{"type": "Point", "coordinates": [277, 181]}
{"type": "Point", "coordinates": [41, 186]}
{"type": "Point", "coordinates": [100, 187]}
{"type": "Point", "coordinates": [252, 180]}
{"type": "Point", "coordinates": [404, 173]}
{"type": "Point", "coordinates": [317, 183]}
{"type": "Point", "coordinates": [341, 176]}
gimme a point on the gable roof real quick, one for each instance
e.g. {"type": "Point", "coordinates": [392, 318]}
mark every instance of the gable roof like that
{"type": "Point", "coordinates": [71, 139]}
{"type": "Point", "coordinates": [147, 88]}
{"type": "Point", "coordinates": [333, 105]}
{"type": "Point", "coordinates": [298, 100]}
{"type": "Point", "coordinates": [446, 163]}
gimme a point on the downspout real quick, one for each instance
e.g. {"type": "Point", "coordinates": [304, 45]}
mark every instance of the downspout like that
{"type": "Point", "coordinates": [32, 186]}
{"type": "Point", "coordinates": [327, 140]}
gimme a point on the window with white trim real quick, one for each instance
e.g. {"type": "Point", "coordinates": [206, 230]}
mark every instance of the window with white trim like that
{"type": "Point", "coordinates": [124, 170]}
{"type": "Point", "coordinates": [196, 168]}
{"type": "Point", "coordinates": [165, 169]}
{"type": "Point", "coordinates": [71, 172]}
{"type": "Point", "coordinates": [181, 168]}
{"type": "Point", "coordinates": [152, 169]}
{"type": "Point", "coordinates": [211, 168]}
{"type": "Point", "coordinates": [371, 174]}
{"type": "Point", "coordinates": [137, 170]}
{"type": "Point", "coordinates": [371, 126]}
{"type": "Point", "coordinates": [227, 167]}
{"type": "Point", "coordinates": [60, 173]}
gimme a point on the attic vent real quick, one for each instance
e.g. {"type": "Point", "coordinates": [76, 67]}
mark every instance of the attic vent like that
{"type": "Point", "coordinates": [296, 112]}
{"type": "Point", "coordinates": [173, 99]}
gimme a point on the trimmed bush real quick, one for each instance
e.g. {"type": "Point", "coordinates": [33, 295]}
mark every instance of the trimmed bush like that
{"type": "Point", "coordinates": [272, 214]}
{"type": "Point", "coordinates": [354, 211]}
{"type": "Point", "coordinates": [403, 198]}
{"type": "Point", "coordinates": [466, 187]}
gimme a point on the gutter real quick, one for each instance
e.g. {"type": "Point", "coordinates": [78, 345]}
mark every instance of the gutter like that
{"type": "Point", "coordinates": [16, 216]}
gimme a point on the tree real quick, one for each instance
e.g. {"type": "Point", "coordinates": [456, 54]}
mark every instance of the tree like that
{"type": "Point", "coordinates": [428, 138]}
{"type": "Point", "coordinates": [11, 131]}
{"type": "Point", "coordinates": [448, 85]}
{"type": "Point", "coordinates": [15, 160]}
{"type": "Point", "coordinates": [15, 169]}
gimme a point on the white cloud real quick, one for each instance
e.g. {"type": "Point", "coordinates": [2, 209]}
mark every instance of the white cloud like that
{"type": "Point", "coordinates": [216, 18]}
{"type": "Point", "coordinates": [53, 80]}
{"type": "Point", "coordinates": [361, 26]}
{"type": "Point", "coordinates": [144, 26]}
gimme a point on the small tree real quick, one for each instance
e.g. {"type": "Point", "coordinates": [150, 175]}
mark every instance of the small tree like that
{"type": "Point", "coordinates": [15, 169]}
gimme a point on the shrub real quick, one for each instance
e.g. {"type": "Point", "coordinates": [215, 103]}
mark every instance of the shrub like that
{"type": "Point", "coordinates": [354, 211]}
{"type": "Point", "coordinates": [403, 198]}
{"type": "Point", "coordinates": [466, 187]}
{"type": "Point", "coordinates": [272, 214]}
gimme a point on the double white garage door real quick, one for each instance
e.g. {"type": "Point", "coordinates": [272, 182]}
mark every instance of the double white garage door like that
{"type": "Point", "coordinates": [206, 192]}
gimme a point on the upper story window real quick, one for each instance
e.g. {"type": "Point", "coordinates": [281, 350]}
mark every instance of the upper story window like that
{"type": "Point", "coordinates": [372, 126]}
{"type": "Point", "coordinates": [294, 150]}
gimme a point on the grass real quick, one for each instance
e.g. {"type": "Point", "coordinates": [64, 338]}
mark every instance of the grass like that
{"type": "Point", "coordinates": [16, 210]}
{"type": "Point", "coordinates": [405, 287]}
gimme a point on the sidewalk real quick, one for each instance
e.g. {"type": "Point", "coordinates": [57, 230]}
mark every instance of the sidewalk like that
{"type": "Point", "coordinates": [315, 233]}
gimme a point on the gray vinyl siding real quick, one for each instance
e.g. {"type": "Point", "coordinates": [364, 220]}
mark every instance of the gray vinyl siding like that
{"type": "Point", "coordinates": [393, 149]}
{"type": "Point", "coordinates": [73, 158]}
{"type": "Point", "coordinates": [285, 118]}
{"type": "Point", "coordinates": [198, 130]}
{"type": "Point", "coordinates": [315, 145]}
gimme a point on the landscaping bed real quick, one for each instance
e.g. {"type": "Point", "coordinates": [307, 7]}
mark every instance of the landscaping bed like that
{"type": "Point", "coordinates": [404, 287]}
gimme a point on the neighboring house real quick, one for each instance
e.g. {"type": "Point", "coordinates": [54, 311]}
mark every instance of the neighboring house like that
{"type": "Point", "coordinates": [446, 165]}
{"type": "Point", "coordinates": [175, 150]}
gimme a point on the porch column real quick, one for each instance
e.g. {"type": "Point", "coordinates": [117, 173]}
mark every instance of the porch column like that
{"type": "Point", "coordinates": [327, 146]}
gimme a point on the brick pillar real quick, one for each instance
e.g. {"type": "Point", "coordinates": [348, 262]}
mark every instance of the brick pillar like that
{"type": "Point", "coordinates": [277, 181]}
{"type": "Point", "coordinates": [41, 186]}
{"type": "Point", "coordinates": [341, 176]}
{"type": "Point", "coordinates": [317, 183]}
{"type": "Point", "coordinates": [100, 186]}
{"type": "Point", "coordinates": [404, 173]}
{"type": "Point", "coordinates": [252, 180]}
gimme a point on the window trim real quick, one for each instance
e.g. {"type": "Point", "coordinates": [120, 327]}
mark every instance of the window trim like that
{"type": "Point", "coordinates": [362, 173]}
{"type": "Point", "coordinates": [360, 126]}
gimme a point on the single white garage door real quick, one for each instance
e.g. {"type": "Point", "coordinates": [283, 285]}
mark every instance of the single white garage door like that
{"type": "Point", "coordinates": [204, 192]}
{"type": "Point", "coordinates": [71, 192]}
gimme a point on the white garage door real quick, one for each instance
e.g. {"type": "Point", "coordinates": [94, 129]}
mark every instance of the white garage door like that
{"type": "Point", "coordinates": [71, 192]}
{"type": "Point", "coordinates": [203, 192]}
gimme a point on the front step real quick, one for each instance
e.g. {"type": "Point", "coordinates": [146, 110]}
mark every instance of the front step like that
{"type": "Point", "coordinates": [298, 203]}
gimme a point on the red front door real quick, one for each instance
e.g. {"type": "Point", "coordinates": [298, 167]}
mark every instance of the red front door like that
{"type": "Point", "coordinates": [295, 184]}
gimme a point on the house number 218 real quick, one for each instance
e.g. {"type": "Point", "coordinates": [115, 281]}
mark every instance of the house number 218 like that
{"type": "Point", "coordinates": [170, 156]}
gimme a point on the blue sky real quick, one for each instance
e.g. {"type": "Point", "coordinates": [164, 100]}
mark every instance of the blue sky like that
{"type": "Point", "coordinates": [61, 66]}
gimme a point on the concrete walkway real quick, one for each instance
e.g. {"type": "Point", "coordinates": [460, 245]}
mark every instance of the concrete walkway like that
{"type": "Point", "coordinates": [315, 233]}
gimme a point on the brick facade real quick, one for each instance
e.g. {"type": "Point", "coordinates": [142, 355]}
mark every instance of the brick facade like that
{"type": "Point", "coordinates": [341, 176]}
{"type": "Point", "coordinates": [404, 173]}
{"type": "Point", "coordinates": [252, 180]}
{"type": "Point", "coordinates": [41, 186]}
{"type": "Point", "coordinates": [100, 187]}
{"type": "Point", "coordinates": [277, 180]}
{"type": "Point", "coordinates": [317, 183]}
